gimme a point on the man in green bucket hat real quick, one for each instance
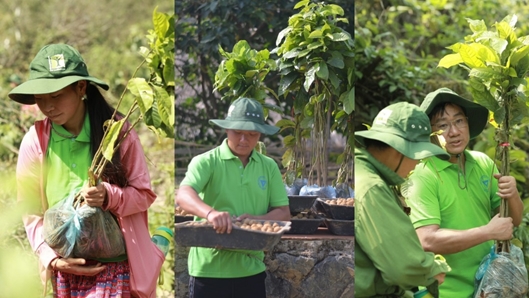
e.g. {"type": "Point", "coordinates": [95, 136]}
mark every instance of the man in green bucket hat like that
{"type": "Point", "coordinates": [452, 201]}
{"type": "Point", "coordinates": [389, 258]}
{"type": "Point", "coordinates": [235, 180]}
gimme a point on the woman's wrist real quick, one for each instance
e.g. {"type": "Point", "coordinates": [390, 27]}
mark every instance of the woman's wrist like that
{"type": "Point", "coordinates": [53, 263]}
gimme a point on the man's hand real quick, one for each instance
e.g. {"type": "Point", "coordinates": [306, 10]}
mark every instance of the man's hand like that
{"type": "Point", "coordinates": [506, 186]}
{"type": "Point", "coordinates": [221, 221]}
{"type": "Point", "coordinates": [76, 266]}
{"type": "Point", "coordinates": [500, 228]}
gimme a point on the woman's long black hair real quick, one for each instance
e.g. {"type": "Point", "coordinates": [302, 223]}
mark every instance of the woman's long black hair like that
{"type": "Point", "coordinates": [99, 111]}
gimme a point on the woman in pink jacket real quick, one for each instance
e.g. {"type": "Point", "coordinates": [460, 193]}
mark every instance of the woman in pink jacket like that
{"type": "Point", "coordinates": [53, 161]}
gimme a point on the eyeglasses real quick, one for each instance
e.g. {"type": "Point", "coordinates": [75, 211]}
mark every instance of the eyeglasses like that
{"type": "Point", "coordinates": [445, 126]}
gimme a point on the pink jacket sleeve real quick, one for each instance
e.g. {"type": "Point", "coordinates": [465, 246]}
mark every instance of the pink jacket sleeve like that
{"type": "Point", "coordinates": [30, 194]}
{"type": "Point", "coordinates": [137, 196]}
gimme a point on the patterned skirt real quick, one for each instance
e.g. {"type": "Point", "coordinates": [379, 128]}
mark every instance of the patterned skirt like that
{"type": "Point", "coordinates": [114, 281]}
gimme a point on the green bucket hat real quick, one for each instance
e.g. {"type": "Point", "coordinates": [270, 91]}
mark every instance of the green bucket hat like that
{"type": "Point", "coordinates": [406, 128]}
{"type": "Point", "coordinates": [54, 67]}
{"type": "Point", "coordinates": [477, 114]}
{"type": "Point", "coordinates": [246, 114]}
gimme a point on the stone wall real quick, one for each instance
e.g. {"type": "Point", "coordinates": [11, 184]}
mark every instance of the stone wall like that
{"type": "Point", "coordinates": [296, 269]}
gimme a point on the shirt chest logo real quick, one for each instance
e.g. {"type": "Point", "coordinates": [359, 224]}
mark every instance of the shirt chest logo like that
{"type": "Point", "coordinates": [485, 181]}
{"type": "Point", "coordinates": [261, 181]}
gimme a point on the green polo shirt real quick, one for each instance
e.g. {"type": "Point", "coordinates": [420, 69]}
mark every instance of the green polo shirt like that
{"type": "Point", "coordinates": [68, 161]}
{"type": "Point", "coordinates": [436, 199]}
{"type": "Point", "coordinates": [221, 180]}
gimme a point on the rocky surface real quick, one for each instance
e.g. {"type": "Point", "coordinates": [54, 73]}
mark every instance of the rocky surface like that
{"type": "Point", "coordinates": [296, 269]}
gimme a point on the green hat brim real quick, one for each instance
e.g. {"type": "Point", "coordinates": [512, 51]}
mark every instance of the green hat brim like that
{"type": "Point", "coordinates": [245, 125]}
{"type": "Point", "coordinates": [24, 92]}
{"type": "Point", "coordinates": [477, 115]}
{"type": "Point", "coordinates": [410, 149]}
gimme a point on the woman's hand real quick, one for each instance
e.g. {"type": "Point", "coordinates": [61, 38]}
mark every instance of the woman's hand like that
{"type": "Point", "coordinates": [76, 266]}
{"type": "Point", "coordinates": [95, 196]}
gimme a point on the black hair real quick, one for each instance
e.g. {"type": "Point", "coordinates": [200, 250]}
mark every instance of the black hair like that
{"type": "Point", "coordinates": [375, 144]}
{"type": "Point", "coordinates": [439, 109]}
{"type": "Point", "coordinates": [100, 111]}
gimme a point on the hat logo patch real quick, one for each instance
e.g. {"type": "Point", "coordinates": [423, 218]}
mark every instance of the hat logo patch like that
{"type": "Point", "coordinates": [383, 116]}
{"type": "Point", "coordinates": [57, 62]}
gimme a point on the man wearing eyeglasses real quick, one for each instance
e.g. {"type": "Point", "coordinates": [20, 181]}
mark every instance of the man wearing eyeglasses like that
{"type": "Point", "coordinates": [454, 203]}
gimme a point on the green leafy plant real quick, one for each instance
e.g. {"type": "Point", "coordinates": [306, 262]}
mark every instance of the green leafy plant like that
{"type": "Point", "coordinates": [150, 97]}
{"type": "Point", "coordinates": [243, 72]}
{"type": "Point", "coordinates": [497, 61]}
{"type": "Point", "coordinates": [316, 67]}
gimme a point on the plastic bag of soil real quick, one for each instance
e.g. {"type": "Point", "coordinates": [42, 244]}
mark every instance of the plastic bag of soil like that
{"type": "Point", "coordinates": [82, 231]}
{"type": "Point", "coordinates": [501, 275]}
{"type": "Point", "coordinates": [327, 192]}
{"type": "Point", "coordinates": [343, 190]}
{"type": "Point", "coordinates": [293, 190]}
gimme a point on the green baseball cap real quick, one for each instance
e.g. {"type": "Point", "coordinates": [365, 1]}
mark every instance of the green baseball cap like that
{"type": "Point", "coordinates": [54, 67]}
{"type": "Point", "coordinates": [246, 114]}
{"type": "Point", "coordinates": [406, 128]}
{"type": "Point", "coordinates": [477, 114]}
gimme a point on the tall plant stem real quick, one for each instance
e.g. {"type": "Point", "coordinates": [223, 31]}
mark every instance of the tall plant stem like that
{"type": "Point", "coordinates": [503, 147]}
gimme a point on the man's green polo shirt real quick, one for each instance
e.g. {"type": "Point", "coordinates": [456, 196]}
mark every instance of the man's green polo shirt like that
{"type": "Point", "coordinates": [68, 161]}
{"type": "Point", "coordinates": [435, 198]}
{"type": "Point", "coordinates": [221, 180]}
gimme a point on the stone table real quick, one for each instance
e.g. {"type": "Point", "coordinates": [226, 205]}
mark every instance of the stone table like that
{"type": "Point", "coordinates": [299, 266]}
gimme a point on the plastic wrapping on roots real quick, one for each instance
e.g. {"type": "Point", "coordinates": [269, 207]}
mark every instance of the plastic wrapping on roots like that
{"type": "Point", "coordinates": [82, 232]}
{"type": "Point", "coordinates": [502, 275]}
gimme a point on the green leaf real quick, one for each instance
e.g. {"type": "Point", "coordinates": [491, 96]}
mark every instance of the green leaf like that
{"type": "Point", "coordinates": [289, 141]}
{"type": "Point", "coordinates": [291, 54]}
{"type": "Point", "coordinates": [336, 9]}
{"type": "Point", "coordinates": [340, 36]}
{"type": "Point", "coordinates": [316, 34]}
{"type": "Point", "coordinates": [511, 20]}
{"type": "Point", "coordinates": [323, 71]}
{"type": "Point", "coordinates": [301, 3]}
{"type": "Point", "coordinates": [450, 60]}
{"type": "Point", "coordinates": [285, 123]}
{"type": "Point", "coordinates": [165, 104]}
{"type": "Point", "coordinates": [282, 34]}
{"type": "Point", "coordinates": [474, 55]}
{"type": "Point", "coordinates": [161, 24]}
{"type": "Point", "coordinates": [505, 30]}
{"type": "Point", "coordinates": [114, 129]}
{"type": "Point", "coordinates": [286, 81]}
{"type": "Point", "coordinates": [499, 45]}
{"type": "Point", "coordinates": [309, 78]}
{"type": "Point", "coordinates": [348, 99]}
{"type": "Point", "coordinates": [168, 71]}
{"type": "Point", "coordinates": [335, 81]}
{"type": "Point", "coordinates": [315, 45]}
{"type": "Point", "coordinates": [143, 93]}
{"type": "Point", "coordinates": [485, 99]}
{"type": "Point", "coordinates": [287, 158]}
{"type": "Point", "coordinates": [477, 25]}
{"type": "Point", "coordinates": [518, 54]}
{"type": "Point", "coordinates": [485, 73]}
{"type": "Point", "coordinates": [336, 62]}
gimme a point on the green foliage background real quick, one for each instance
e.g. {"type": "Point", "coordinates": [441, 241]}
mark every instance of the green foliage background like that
{"type": "Point", "coordinates": [109, 36]}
